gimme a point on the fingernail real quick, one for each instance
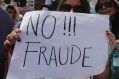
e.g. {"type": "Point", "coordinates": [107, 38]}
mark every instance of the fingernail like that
{"type": "Point", "coordinates": [107, 31]}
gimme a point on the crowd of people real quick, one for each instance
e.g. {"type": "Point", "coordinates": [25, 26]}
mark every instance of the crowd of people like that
{"type": "Point", "coordinates": [105, 7]}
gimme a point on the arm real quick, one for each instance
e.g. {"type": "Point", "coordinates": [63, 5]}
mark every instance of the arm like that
{"type": "Point", "coordinates": [8, 46]}
{"type": "Point", "coordinates": [107, 72]}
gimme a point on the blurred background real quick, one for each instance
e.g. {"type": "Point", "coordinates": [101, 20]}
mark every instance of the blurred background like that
{"type": "Point", "coordinates": [35, 4]}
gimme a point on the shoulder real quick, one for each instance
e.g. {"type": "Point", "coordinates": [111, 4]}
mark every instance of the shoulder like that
{"type": "Point", "coordinates": [6, 22]}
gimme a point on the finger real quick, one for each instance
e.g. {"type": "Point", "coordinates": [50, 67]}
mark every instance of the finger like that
{"type": "Point", "coordinates": [15, 34]}
{"type": "Point", "coordinates": [7, 43]}
{"type": "Point", "coordinates": [112, 40]}
{"type": "Point", "coordinates": [16, 37]}
{"type": "Point", "coordinates": [117, 41]}
{"type": "Point", "coordinates": [17, 30]}
{"type": "Point", "coordinates": [111, 36]}
{"type": "Point", "coordinates": [11, 39]}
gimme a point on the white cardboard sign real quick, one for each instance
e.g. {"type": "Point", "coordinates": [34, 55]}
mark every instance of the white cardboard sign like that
{"type": "Point", "coordinates": [60, 44]}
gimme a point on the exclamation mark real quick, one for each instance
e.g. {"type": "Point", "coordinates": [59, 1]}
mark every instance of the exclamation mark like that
{"type": "Point", "coordinates": [64, 24]}
{"type": "Point", "coordinates": [74, 25]}
{"type": "Point", "coordinates": [69, 26]}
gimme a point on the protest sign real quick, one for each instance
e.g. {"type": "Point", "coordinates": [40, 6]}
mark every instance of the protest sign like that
{"type": "Point", "coordinates": [60, 44]}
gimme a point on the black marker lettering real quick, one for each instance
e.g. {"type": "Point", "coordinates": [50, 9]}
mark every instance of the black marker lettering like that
{"type": "Point", "coordinates": [74, 25]}
{"type": "Point", "coordinates": [26, 52]}
{"type": "Point", "coordinates": [42, 51]}
{"type": "Point", "coordinates": [42, 29]}
{"type": "Point", "coordinates": [72, 52]}
{"type": "Point", "coordinates": [64, 24]}
{"type": "Point", "coordinates": [69, 26]}
{"type": "Point", "coordinates": [66, 57]}
{"type": "Point", "coordinates": [53, 54]}
{"type": "Point", "coordinates": [84, 56]}
{"type": "Point", "coordinates": [33, 27]}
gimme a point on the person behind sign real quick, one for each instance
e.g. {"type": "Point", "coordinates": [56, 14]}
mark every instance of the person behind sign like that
{"type": "Point", "coordinates": [80, 6]}
{"type": "Point", "coordinates": [11, 10]}
{"type": "Point", "coordinates": [111, 8]}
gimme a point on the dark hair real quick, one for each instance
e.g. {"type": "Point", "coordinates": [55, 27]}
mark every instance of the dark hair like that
{"type": "Point", "coordinates": [58, 3]}
{"type": "Point", "coordinates": [113, 1]}
{"type": "Point", "coordinates": [39, 4]}
{"type": "Point", "coordinates": [11, 7]}
{"type": "Point", "coordinates": [53, 5]}
{"type": "Point", "coordinates": [84, 3]}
